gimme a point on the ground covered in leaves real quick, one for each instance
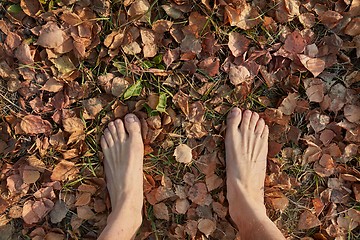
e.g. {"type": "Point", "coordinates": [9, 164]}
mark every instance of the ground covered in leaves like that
{"type": "Point", "coordinates": [68, 67]}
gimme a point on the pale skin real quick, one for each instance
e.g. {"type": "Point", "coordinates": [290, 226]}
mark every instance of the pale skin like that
{"type": "Point", "coordinates": [246, 146]}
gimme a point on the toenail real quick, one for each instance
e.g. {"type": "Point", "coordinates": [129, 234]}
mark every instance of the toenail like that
{"type": "Point", "coordinates": [234, 112]}
{"type": "Point", "coordinates": [130, 119]}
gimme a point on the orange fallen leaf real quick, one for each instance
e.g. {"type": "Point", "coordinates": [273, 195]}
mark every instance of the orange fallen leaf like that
{"type": "Point", "coordinates": [32, 125]}
{"type": "Point", "coordinates": [63, 170]}
{"type": "Point", "coordinates": [308, 220]}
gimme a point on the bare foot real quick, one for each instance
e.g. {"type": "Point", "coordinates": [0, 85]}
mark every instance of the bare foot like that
{"type": "Point", "coordinates": [123, 149]}
{"type": "Point", "coordinates": [246, 145]}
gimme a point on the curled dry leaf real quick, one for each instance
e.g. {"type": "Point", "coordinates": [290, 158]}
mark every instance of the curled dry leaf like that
{"type": "Point", "coordinates": [73, 124]}
{"type": "Point", "coordinates": [183, 153]}
{"type": "Point", "coordinates": [352, 113]}
{"type": "Point", "coordinates": [32, 124]}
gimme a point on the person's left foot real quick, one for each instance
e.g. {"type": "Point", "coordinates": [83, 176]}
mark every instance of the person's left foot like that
{"type": "Point", "coordinates": [123, 149]}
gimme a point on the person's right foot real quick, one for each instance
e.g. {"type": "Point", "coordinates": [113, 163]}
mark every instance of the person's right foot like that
{"type": "Point", "coordinates": [246, 145]}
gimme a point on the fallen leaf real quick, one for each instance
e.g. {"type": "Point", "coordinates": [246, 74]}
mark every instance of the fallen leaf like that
{"type": "Point", "coordinates": [51, 36]}
{"type": "Point", "coordinates": [238, 44]}
{"type": "Point", "coordinates": [245, 17]}
{"type": "Point", "coordinates": [294, 42]}
{"type": "Point", "coordinates": [161, 211]}
{"type": "Point", "coordinates": [183, 153]}
{"type": "Point", "coordinates": [30, 7]}
{"type": "Point", "coordinates": [59, 212]}
{"type": "Point", "coordinates": [289, 104]}
{"type": "Point", "coordinates": [85, 212]}
{"type": "Point", "coordinates": [206, 226]}
{"type": "Point", "coordinates": [52, 85]}
{"type": "Point", "coordinates": [63, 170]}
{"type": "Point", "coordinates": [182, 205]}
{"type": "Point", "coordinates": [33, 125]}
{"type": "Point", "coordinates": [352, 113]}
{"type": "Point", "coordinates": [198, 194]}
{"type": "Point", "coordinates": [239, 74]}
{"type": "Point", "coordinates": [314, 65]}
{"type": "Point", "coordinates": [308, 220]}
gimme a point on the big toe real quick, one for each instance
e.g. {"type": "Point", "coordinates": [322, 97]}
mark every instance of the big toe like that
{"type": "Point", "coordinates": [132, 125]}
{"type": "Point", "coordinates": [233, 119]}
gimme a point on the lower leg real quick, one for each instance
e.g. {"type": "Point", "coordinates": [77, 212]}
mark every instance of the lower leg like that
{"type": "Point", "coordinates": [123, 152]}
{"type": "Point", "coordinates": [246, 146]}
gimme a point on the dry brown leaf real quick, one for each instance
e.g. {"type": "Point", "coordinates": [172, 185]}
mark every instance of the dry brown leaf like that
{"type": "Point", "coordinates": [30, 7]}
{"type": "Point", "coordinates": [352, 113]}
{"type": "Point", "coordinates": [238, 44]}
{"type": "Point", "coordinates": [140, 8]}
{"type": "Point", "coordinates": [198, 194]}
{"type": "Point", "coordinates": [28, 214]}
{"type": "Point", "coordinates": [32, 125]}
{"type": "Point", "coordinates": [295, 43]}
{"type": "Point", "coordinates": [30, 174]}
{"type": "Point", "coordinates": [245, 18]}
{"type": "Point", "coordinates": [52, 85]}
{"type": "Point", "coordinates": [239, 74]}
{"type": "Point", "coordinates": [314, 89]}
{"type": "Point", "coordinates": [314, 65]}
{"type": "Point", "coordinates": [319, 121]}
{"type": "Point", "coordinates": [289, 104]}
{"type": "Point", "coordinates": [277, 200]}
{"type": "Point", "coordinates": [118, 86]}
{"type": "Point", "coordinates": [206, 226]}
{"type": "Point", "coordinates": [83, 199]}
{"type": "Point", "coordinates": [63, 170]}
{"type": "Point", "coordinates": [183, 153]}
{"type": "Point", "coordinates": [182, 205]}
{"type": "Point", "coordinates": [161, 211]}
{"type": "Point", "coordinates": [73, 124]}
{"type": "Point", "coordinates": [213, 182]}
{"type": "Point", "coordinates": [171, 55]}
{"type": "Point", "coordinates": [15, 212]}
{"type": "Point", "coordinates": [210, 66]}
{"type": "Point", "coordinates": [85, 212]}
{"type": "Point", "coordinates": [59, 212]}
{"type": "Point", "coordinates": [330, 18]}
{"type": "Point", "coordinates": [51, 36]}
{"type": "Point", "coordinates": [353, 27]}
{"type": "Point", "coordinates": [308, 220]}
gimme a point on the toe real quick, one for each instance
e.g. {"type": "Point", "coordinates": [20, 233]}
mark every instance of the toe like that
{"type": "Point", "coordinates": [234, 119]}
{"type": "Point", "coordinates": [132, 125]}
{"type": "Point", "coordinates": [253, 121]}
{"type": "Point", "coordinates": [108, 137]}
{"type": "Point", "coordinates": [260, 127]}
{"type": "Point", "coordinates": [113, 131]}
{"type": "Point", "coordinates": [245, 120]}
{"type": "Point", "coordinates": [120, 130]}
{"type": "Point", "coordinates": [265, 133]}
{"type": "Point", "coordinates": [103, 142]}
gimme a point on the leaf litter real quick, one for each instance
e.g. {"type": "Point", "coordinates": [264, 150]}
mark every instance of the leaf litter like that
{"type": "Point", "coordinates": [69, 67]}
